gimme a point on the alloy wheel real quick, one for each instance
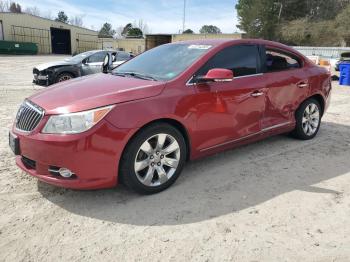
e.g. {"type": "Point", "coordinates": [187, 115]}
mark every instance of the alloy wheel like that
{"type": "Point", "coordinates": [311, 119]}
{"type": "Point", "coordinates": [64, 78]}
{"type": "Point", "coordinates": [157, 160]}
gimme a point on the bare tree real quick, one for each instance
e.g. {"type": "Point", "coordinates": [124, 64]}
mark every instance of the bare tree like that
{"type": "Point", "coordinates": [32, 11]}
{"type": "Point", "coordinates": [15, 8]}
{"type": "Point", "coordinates": [76, 20]}
{"type": "Point", "coordinates": [142, 25]}
{"type": "Point", "coordinates": [4, 6]}
{"type": "Point", "coordinates": [119, 32]}
{"type": "Point", "coordinates": [48, 15]}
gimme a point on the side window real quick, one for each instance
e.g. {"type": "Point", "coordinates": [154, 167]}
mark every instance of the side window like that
{"type": "Point", "coordinates": [122, 56]}
{"type": "Point", "coordinates": [277, 61]}
{"type": "Point", "coordinates": [242, 60]}
{"type": "Point", "coordinates": [97, 58]}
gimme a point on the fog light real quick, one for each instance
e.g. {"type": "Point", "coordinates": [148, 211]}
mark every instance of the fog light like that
{"type": "Point", "coordinates": [65, 172]}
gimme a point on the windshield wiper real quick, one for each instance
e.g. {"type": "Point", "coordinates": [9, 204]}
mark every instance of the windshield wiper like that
{"type": "Point", "coordinates": [136, 75]}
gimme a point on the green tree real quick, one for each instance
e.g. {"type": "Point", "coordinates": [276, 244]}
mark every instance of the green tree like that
{"type": "Point", "coordinates": [135, 32]}
{"type": "Point", "coordinates": [343, 25]}
{"type": "Point", "coordinates": [62, 17]}
{"type": "Point", "coordinates": [210, 29]}
{"type": "Point", "coordinates": [296, 22]}
{"type": "Point", "coordinates": [106, 31]}
{"type": "Point", "coordinates": [126, 29]}
{"type": "Point", "coordinates": [188, 31]}
{"type": "Point", "coordinates": [259, 19]}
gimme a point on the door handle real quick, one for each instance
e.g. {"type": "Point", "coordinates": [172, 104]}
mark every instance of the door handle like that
{"type": "Point", "coordinates": [256, 94]}
{"type": "Point", "coordinates": [302, 85]}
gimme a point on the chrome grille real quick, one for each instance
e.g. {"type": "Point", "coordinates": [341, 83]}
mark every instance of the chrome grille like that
{"type": "Point", "coordinates": [28, 116]}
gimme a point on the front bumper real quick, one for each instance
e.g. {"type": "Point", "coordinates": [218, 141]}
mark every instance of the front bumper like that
{"type": "Point", "coordinates": [93, 156]}
{"type": "Point", "coordinates": [43, 80]}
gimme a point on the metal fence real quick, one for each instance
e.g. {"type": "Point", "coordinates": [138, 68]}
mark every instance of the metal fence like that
{"type": "Point", "coordinates": [34, 35]}
{"type": "Point", "coordinates": [86, 42]}
{"type": "Point", "coordinates": [326, 52]}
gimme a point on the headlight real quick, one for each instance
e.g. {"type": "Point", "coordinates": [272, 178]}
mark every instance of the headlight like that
{"type": "Point", "coordinates": [74, 123]}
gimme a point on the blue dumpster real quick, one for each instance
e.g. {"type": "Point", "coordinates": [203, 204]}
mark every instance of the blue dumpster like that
{"type": "Point", "coordinates": [344, 78]}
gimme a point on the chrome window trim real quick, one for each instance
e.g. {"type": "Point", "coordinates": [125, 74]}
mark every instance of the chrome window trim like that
{"type": "Point", "coordinates": [188, 83]}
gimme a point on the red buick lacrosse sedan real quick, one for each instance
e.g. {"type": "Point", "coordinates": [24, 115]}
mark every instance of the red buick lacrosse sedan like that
{"type": "Point", "coordinates": [141, 122]}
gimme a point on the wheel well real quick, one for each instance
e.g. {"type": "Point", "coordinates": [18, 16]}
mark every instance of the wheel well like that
{"type": "Point", "coordinates": [319, 99]}
{"type": "Point", "coordinates": [175, 124]}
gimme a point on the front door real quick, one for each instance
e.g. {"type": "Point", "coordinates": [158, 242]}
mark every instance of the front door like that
{"type": "Point", "coordinates": [94, 63]}
{"type": "Point", "coordinates": [231, 111]}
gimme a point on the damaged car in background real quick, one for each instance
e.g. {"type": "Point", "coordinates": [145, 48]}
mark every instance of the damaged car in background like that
{"type": "Point", "coordinates": [82, 64]}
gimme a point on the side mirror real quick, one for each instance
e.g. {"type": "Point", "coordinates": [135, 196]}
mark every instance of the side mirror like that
{"type": "Point", "coordinates": [107, 63]}
{"type": "Point", "coordinates": [217, 75]}
{"type": "Point", "coordinates": [84, 62]}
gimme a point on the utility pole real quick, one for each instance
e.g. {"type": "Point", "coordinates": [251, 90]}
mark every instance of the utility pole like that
{"type": "Point", "coordinates": [184, 17]}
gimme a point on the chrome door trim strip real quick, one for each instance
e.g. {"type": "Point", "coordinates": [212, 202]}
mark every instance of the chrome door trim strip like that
{"type": "Point", "coordinates": [229, 142]}
{"type": "Point", "coordinates": [275, 126]}
{"type": "Point", "coordinates": [246, 137]}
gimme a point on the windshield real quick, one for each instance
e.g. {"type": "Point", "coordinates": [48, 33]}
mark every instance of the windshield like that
{"type": "Point", "coordinates": [162, 63]}
{"type": "Point", "coordinates": [80, 57]}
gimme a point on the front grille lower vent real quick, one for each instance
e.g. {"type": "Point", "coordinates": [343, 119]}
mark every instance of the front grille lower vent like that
{"type": "Point", "coordinates": [28, 116]}
{"type": "Point", "coordinates": [28, 163]}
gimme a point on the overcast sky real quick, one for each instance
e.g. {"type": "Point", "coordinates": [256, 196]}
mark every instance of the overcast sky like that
{"type": "Point", "coordinates": [162, 16]}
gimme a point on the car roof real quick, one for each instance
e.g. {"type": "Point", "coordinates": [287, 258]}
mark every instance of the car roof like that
{"type": "Point", "coordinates": [109, 50]}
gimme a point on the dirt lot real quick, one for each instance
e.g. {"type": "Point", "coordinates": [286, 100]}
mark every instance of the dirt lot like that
{"type": "Point", "coordinates": [276, 200]}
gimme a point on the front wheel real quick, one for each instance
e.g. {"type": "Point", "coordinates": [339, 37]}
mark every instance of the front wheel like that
{"type": "Point", "coordinates": [63, 77]}
{"type": "Point", "coordinates": [153, 159]}
{"type": "Point", "coordinates": [308, 119]}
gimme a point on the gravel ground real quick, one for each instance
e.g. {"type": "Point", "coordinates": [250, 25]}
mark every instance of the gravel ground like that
{"type": "Point", "coordinates": [276, 200]}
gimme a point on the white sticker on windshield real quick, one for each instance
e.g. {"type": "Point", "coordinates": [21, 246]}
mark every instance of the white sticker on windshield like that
{"type": "Point", "coordinates": [199, 47]}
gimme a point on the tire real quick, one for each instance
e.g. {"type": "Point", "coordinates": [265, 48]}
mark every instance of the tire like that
{"type": "Point", "coordinates": [153, 159]}
{"type": "Point", "coordinates": [308, 119]}
{"type": "Point", "coordinates": [64, 77]}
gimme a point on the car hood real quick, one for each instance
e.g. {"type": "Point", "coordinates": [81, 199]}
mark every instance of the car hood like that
{"type": "Point", "coordinates": [94, 91]}
{"type": "Point", "coordinates": [44, 66]}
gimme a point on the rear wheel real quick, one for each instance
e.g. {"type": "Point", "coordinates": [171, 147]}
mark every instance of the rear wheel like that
{"type": "Point", "coordinates": [308, 120]}
{"type": "Point", "coordinates": [63, 77]}
{"type": "Point", "coordinates": [153, 159]}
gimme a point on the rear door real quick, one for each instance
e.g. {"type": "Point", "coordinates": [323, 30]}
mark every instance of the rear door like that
{"type": "Point", "coordinates": [231, 111]}
{"type": "Point", "coordinates": [286, 86]}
